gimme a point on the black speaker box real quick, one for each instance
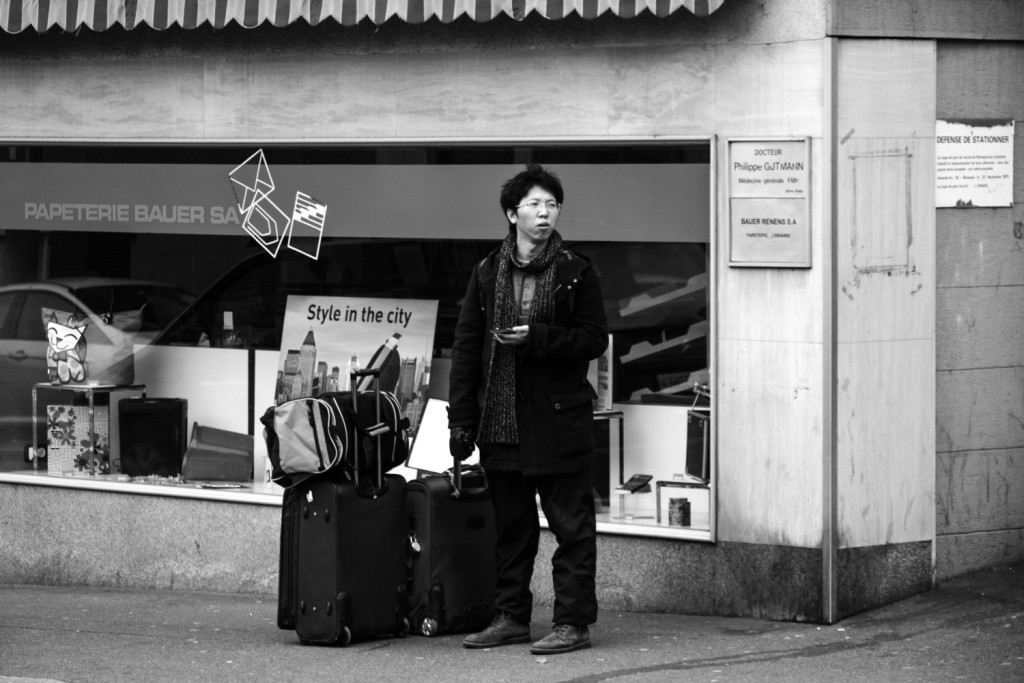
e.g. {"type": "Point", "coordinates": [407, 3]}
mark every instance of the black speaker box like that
{"type": "Point", "coordinates": [698, 444]}
{"type": "Point", "coordinates": [153, 434]}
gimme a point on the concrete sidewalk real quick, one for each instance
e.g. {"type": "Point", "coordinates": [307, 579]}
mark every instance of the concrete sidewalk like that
{"type": "Point", "coordinates": [971, 629]}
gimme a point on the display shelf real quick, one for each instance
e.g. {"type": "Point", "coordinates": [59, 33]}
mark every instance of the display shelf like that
{"type": "Point", "coordinates": [663, 294]}
{"type": "Point", "coordinates": [645, 509]}
{"type": "Point", "coordinates": [701, 376]}
{"type": "Point", "coordinates": [644, 349]}
{"type": "Point", "coordinates": [634, 507]}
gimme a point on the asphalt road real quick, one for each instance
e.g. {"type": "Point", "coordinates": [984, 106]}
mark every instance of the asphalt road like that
{"type": "Point", "coordinates": [969, 629]}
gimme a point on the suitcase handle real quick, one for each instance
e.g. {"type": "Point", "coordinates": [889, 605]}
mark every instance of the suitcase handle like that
{"type": "Point", "coordinates": [475, 493]}
{"type": "Point", "coordinates": [375, 374]}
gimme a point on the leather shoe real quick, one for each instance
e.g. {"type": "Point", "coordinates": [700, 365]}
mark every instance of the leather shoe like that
{"type": "Point", "coordinates": [504, 630]}
{"type": "Point", "coordinates": [563, 638]}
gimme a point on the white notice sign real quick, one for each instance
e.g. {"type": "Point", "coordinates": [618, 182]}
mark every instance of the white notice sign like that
{"type": "Point", "coordinates": [973, 163]}
{"type": "Point", "coordinates": [768, 232]}
{"type": "Point", "coordinates": [770, 168]}
{"type": "Point", "coordinates": [769, 203]}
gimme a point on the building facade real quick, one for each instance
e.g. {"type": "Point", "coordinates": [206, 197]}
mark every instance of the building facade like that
{"type": "Point", "coordinates": [760, 175]}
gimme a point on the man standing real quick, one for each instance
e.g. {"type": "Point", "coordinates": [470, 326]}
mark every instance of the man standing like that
{"type": "Point", "coordinates": [532, 319]}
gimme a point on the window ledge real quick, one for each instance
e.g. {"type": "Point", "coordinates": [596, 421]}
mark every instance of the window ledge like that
{"type": "Point", "coordinates": [270, 494]}
{"type": "Point", "coordinates": [261, 494]}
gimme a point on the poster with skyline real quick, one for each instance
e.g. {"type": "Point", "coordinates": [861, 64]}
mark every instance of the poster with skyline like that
{"type": "Point", "coordinates": [326, 338]}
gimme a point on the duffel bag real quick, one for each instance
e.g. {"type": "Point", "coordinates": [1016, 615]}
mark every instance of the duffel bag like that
{"type": "Point", "coordinates": [391, 431]}
{"type": "Point", "coordinates": [307, 437]}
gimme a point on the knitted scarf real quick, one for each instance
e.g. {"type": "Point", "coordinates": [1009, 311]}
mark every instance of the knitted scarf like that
{"type": "Point", "coordinates": [498, 423]}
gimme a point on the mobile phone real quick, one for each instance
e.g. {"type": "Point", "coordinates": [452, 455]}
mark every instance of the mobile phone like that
{"type": "Point", "coordinates": [504, 330]}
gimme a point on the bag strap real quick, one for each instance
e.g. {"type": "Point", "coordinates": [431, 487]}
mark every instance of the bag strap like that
{"type": "Point", "coordinates": [310, 407]}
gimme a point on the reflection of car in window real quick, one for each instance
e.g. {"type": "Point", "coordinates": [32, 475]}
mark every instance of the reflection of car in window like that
{"type": "Point", "coordinates": [245, 308]}
{"type": "Point", "coordinates": [116, 314]}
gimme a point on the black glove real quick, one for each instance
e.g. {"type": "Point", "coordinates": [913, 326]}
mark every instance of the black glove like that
{"type": "Point", "coordinates": [461, 443]}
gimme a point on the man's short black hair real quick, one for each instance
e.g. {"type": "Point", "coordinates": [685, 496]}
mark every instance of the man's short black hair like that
{"type": "Point", "coordinates": [535, 175]}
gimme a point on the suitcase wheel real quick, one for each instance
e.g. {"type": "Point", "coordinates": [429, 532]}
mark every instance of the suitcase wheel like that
{"type": "Point", "coordinates": [428, 627]}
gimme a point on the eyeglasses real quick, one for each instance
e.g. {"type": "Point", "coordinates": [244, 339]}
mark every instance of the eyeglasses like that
{"type": "Point", "coordinates": [534, 205]}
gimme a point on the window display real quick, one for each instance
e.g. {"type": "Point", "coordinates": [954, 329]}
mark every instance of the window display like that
{"type": "Point", "coordinates": [167, 280]}
{"type": "Point", "coordinates": [101, 352]}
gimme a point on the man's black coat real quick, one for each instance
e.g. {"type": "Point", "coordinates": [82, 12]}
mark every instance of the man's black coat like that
{"type": "Point", "coordinates": [554, 406]}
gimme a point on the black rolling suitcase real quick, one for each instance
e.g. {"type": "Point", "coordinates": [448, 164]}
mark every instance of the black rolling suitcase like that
{"type": "Point", "coordinates": [350, 562]}
{"type": "Point", "coordinates": [452, 567]}
{"type": "Point", "coordinates": [344, 558]}
{"type": "Point", "coordinates": [286, 588]}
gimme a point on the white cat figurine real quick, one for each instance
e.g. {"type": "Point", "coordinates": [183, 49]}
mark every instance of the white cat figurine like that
{"type": "Point", "coordinates": [65, 358]}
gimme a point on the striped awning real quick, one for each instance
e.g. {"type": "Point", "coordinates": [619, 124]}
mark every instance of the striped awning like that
{"type": "Point", "coordinates": [99, 15]}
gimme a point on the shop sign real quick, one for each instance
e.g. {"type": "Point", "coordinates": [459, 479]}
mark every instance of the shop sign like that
{"type": "Point", "coordinates": [324, 339]}
{"type": "Point", "coordinates": [257, 199]}
{"type": "Point", "coordinates": [769, 200]}
{"type": "Point", "coordinates": [973, 163]}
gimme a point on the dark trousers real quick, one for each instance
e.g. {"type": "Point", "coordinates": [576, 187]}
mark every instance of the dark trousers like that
{"type": "Point", "coordinates": [568, 504]}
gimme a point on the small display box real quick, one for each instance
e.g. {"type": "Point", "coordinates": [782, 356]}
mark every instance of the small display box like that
{"type": "Point", "coordinates": [89, 417]}
{"type": "Point", "coordinates": [687, 516]}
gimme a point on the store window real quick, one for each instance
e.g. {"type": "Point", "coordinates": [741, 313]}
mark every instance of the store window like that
{"type": "Point", "coordinates": [187, 314]}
